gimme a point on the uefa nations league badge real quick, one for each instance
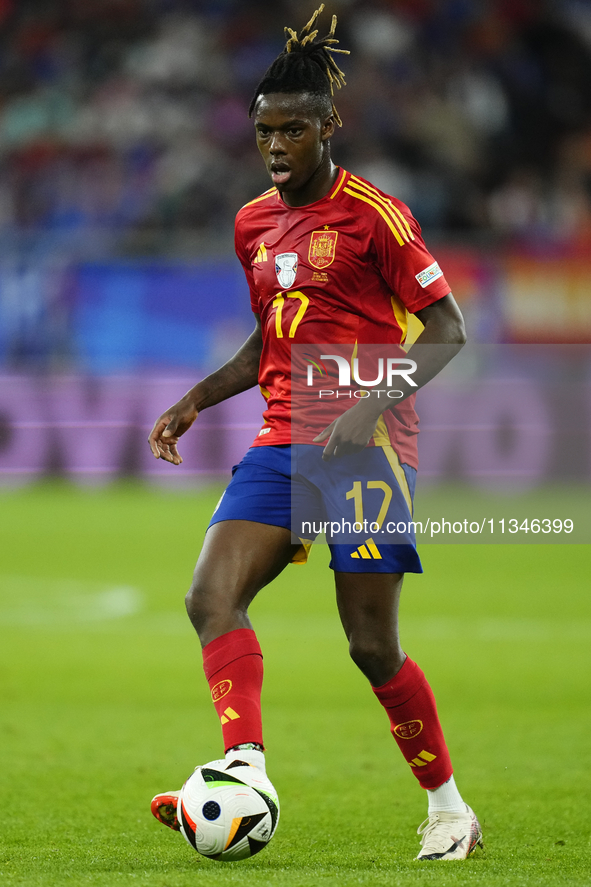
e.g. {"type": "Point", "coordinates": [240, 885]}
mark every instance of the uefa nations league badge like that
{"type": "Point", "coordinates": [286, 268]}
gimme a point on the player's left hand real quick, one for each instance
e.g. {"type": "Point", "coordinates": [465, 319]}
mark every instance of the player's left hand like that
{"type": "Point", "coordinates": [350, 433]}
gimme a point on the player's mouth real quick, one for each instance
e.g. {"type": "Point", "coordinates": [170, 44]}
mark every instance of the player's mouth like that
{"type": "Point", "coordinates": [280, 173]}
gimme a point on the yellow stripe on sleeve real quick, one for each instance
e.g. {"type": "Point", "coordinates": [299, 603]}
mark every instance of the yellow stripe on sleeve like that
{"type": "Point", "coordinates": [385, 217]}
{"type": "Point", "coordinates": [405, 222]}
{"type": "Point", "coordinates": [385, 203]}
{"type": "Point", "coordinates": [394, 209]}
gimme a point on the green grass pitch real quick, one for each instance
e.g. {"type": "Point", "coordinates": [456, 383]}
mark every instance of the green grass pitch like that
{"type": "Point", "coordinates": [103, 703]}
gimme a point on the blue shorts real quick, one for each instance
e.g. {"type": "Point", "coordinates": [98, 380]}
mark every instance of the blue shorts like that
{"type": "Point", "coordinates": [362, 503]}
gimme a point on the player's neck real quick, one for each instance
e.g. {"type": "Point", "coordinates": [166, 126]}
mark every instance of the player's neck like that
{"type": "Point", "coordinates": [317, 186]}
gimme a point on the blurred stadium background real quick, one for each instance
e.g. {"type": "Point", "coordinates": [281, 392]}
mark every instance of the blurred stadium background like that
{"type": "Point", "coordinates": [125, 151]}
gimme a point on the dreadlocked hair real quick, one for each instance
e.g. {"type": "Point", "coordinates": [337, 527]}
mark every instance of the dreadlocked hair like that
{"type": "Point", "coordinates": [305, 65]}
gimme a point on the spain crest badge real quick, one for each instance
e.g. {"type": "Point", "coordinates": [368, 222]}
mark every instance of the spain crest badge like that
{"type": "Point", "coordinates": [322, 248]}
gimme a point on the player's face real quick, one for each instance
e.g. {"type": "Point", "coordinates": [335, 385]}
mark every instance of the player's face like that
{"type": "Point", "coordinates": [293, 139]}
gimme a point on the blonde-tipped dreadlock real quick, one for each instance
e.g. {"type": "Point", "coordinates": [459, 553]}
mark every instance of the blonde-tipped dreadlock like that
{"type": "Point", "coordinates": [305, 65]}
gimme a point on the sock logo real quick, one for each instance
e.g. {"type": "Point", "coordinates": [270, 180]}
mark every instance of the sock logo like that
{"type": "Point", "coordinates": [408, 729]}
{"type": "Point", "coordinates": [422, 759]}
{"type": "Point", "coordinates": [229, 715]}
{"type": "Point", "coordinates": [221, 689]}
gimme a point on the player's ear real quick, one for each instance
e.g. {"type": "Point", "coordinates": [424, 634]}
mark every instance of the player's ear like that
{"type": "Point", "coordinates": [328, 128]}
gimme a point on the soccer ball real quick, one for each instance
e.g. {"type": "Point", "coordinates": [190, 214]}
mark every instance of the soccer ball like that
{"type": "Point", "coordinates": [228, 810]}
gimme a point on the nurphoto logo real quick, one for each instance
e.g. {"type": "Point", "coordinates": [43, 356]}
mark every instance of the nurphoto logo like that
{"type": "Point", "coordinates": [388, 369]}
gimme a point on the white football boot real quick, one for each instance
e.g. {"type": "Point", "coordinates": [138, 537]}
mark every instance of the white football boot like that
{"type": "Point", "coordinates": [449, 835]}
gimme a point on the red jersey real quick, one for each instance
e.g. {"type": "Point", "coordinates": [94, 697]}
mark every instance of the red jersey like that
{"type": "Point", "coordinates": [347, 269]}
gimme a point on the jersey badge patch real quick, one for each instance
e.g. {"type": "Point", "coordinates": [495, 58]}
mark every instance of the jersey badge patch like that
{"type": "Point", "coordinates": [322, 248]}
{"type": "Point", "coordinates": [286, 268]}
{"type": "Point", "coordinates": [433, 272]}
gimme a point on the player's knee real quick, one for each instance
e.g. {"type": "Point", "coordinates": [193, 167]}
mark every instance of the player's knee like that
{"type": "Point", "coordinates": [201, 605]}
{"type": "Point", "coordinates": [210, 606]}
{"type": "Point", "coordinates": [378, 659]}
{"type": "Point", "coordinates": [364, 653]}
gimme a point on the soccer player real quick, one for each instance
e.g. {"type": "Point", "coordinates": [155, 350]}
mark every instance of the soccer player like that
{"type": "Point", "coordinates": [328, 258]}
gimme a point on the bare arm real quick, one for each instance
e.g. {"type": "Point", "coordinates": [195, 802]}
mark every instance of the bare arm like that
{"type": "Point", "coordinates": [239, 374]}
{"type": "Point", "coordinates": [444, 327]}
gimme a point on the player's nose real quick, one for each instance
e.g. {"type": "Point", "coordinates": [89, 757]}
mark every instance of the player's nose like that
{"type": "Point", "coordinates": [276, 145]}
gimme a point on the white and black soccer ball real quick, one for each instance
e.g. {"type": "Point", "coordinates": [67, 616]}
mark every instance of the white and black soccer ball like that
{"type": "Point", "coordinates": [228, 810]}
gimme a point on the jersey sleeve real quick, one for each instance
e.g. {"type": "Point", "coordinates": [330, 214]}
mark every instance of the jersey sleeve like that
{"type": "Point", "coordinates": [404, 261]}
{"type": "Point", "coordinates": [246, 264]}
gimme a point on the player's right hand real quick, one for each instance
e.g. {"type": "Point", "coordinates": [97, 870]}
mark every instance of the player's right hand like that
{"type": "Point", "coordinates": [167, 430]}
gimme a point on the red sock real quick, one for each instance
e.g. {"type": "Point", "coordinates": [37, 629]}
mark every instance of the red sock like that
{"type": "Point", "coordinates": [410, 705]}
{"type": "Point", "coordinates": [233, 665]}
